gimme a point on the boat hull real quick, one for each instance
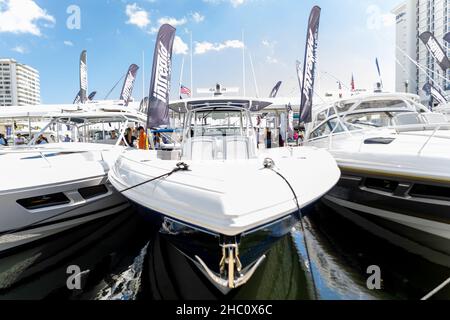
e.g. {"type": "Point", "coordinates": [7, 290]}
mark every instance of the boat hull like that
{"type": "Point", "coordinates": [194, 241]}
{"type": "Point", "coordinates": [49, 191]}
{"type": "Point", "coordinates": [393, 208]}
{"type": "Point", "coordinates": [204, 248]}
{"type": "Point", "coordinates": [30, 226]}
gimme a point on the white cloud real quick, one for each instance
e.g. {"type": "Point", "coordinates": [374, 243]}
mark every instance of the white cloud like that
{"type": "Point", "coordinates": [271, 60]}
{"type": "Point", "coordinates": [153, 30]}
{"type": "Point", "coordinates": [22, 16]}
{"type": "Point", "coordinates": [377, 19]}
{"type": "Point", "coordinates": [234, 3]}
{"type": "Point", "coordinates": [237, 3]}
{"type": "Point", "coordinates": [269, 44]}
{"type": "Point", "coordinates": [137, 16]}
{"type": "Point", "coordinates": [179, 46]}
{"type": "Point", "coordinates": [19, 49]}
{"type": "Point", "coordinates": [68, 43]}
{"type": "Point", "coordinates": [172, 21]}
{"type": "Point", "coordinates": [197, 17]}
{"type": "Point", "coordinates": [169, 20]}
{"type": "Point", "coordinates": [204, 47]}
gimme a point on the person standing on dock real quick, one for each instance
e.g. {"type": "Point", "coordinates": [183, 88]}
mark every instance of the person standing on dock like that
{"type": "Point", "coordinates": [129, 138]}
{"type": "Point", "coordinates": [143, 140]}
{"type": "Point", "coordinates": [3, 141]}
{"type": "Point", "coordinates": [19, 141]}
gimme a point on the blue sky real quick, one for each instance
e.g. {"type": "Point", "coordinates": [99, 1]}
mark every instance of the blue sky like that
{"type": "Point", "coordinates": [116, 33]}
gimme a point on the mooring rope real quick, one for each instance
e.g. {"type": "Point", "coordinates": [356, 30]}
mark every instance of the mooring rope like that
{"type": "Point", "coordinates": [435, 291]}
{"type": "Point", "coordinates": [270, 165]}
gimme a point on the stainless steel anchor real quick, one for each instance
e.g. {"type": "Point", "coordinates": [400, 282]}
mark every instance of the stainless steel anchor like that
{"type": "Point", "coordinates": [234, 277]}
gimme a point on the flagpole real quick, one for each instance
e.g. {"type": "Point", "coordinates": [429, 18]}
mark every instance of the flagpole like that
{"type": "Point", "coordinates": [243, 63]}
{"type": "Point", "coordinates": [181, 76]}
{"type": "Point", "coordinates": [254, 75]}
{"type": "Point", "coordinates": [192, 77]}
{"type": "Point", "coordinates": [143, 74]}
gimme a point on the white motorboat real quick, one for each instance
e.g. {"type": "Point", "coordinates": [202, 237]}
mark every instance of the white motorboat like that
{"type": "Point", "coordinates": [52, 187]}
{"type": "Point", "coordinates": [229, 201]}
{"type": "Point", "coordinates": [394, 155]}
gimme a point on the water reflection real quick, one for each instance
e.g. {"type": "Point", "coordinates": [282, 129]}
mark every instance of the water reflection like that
{"type": "Point", "coordinates": [346, 250]}
{"type": "Point", "coordinates": [123, 259]}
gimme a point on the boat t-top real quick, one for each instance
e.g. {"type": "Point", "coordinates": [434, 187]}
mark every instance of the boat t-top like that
{"type": "Point", "coordinates": [58, 182]}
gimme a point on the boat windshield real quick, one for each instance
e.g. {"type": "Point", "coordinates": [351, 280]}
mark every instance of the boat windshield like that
{"type": "Point", "coordinates": [219, 133]}
{"type": "Point", "coordinates": [382, 104]}
{"type": "Point", "coordinates": [370, 120]}
{"type": "Point", "coordinates": [399, 105]}
{"type": "Point", "coordinates": [225, 123]}
{"type": "Point", "coordinates": [383, 119]}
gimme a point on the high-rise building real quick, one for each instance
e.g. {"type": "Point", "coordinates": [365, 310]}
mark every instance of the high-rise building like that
{"type": "Point", "coordinates": [413, 18]}
{"type": "Point", "coordinates": [406, 70]}
{"type": "Point", "coordinates": [19, 84]}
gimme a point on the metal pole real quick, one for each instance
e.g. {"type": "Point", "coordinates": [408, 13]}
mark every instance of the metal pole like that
{"type": "Point", "coordinates": [192, 77]}
{"type": "Point", "coordinates": [143, 74]}
{"type": "Point", "coordinates": [243, 63]}
{"type": "Point", "coordinates": [181, 76]}
{"type": "Point", "coordinates": [14, 132]}
{"type": "Point", "coordinates": [254, 75]}
{"type": "Point", "coordinates": [29, 127]}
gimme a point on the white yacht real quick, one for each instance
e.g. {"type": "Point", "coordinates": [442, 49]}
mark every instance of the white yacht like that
{"type": "Point", "coordinates": [54, 186]}
{"type": "Point", "coordinates": [229, 201]}
{"type": "Point", "coordinates": [394, 155]}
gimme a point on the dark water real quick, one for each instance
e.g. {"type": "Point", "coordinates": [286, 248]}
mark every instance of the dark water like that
{"type": "Point", "coordinates": [123, 259]}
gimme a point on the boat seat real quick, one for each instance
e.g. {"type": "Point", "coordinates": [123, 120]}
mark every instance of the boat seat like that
{"type": "Point", "coordinates": [199, 148]}
{"type": "Point", "coordinates": [236, 148]}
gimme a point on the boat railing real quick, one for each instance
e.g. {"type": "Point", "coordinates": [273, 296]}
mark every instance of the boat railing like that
{"type": "Point", "coordinates": [47, 152]}
{"type": "Point", "coordinates": [41, 153]}
{"type": "Point", "coordinates": [428, 140]}
{"type": "Point", "coordinates": [340, 123]}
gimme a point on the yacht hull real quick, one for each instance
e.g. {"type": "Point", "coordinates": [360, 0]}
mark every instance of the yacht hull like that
{"type": "Point", "coordinates": [398, 209]}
